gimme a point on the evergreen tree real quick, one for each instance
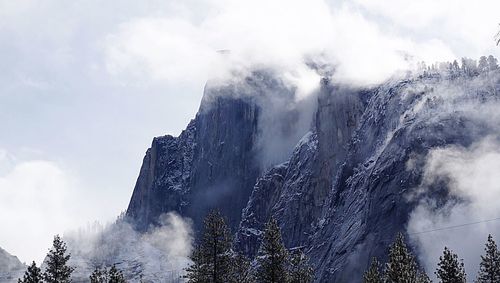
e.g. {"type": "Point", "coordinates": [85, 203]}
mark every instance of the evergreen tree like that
{"type": "Point", "coordinates": [115, 275]}
{"type": "Point", "coordinates": [212, 258]}
{"type": "Point", "coordinates": [57, 270]}
{"type": "Point", "coordinates": [401, 267]}
{"type": "Point", "coordinates": [492, 63]}
{"type": "Point", "coordinates": [300, 269]}
{"type": "Point", "coordinates": [489, 268]}
{"type": "Point", "coordinates": [450, 270]}
{"type": "Point", "coordinates": [99, 276]}
{"type": "Point", "coordinates": [32, 275]}
{"type": "Point", "coordinates": [197, 272]}
{"type": "Point", "coordinates": [423, 278]}
{"type": "Point", "coordinates": [483, 64]}
{"type": "Point", "coordinates": [272, 256]}
{"type": "Point", "coordinates": [372, 275]}
{"type": "Point", "coordinates": [240, 272]}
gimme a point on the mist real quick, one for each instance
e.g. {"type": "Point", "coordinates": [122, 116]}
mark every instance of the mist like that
{"type": "Point", "coordinates": [460, 183]}
{"type": "Point", "coordinates": [79, 76]}
{"type": "Point", "coordinates": [159, 255]}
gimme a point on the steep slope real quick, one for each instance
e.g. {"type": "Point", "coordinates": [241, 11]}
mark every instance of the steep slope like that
{"type": "Point", "coordinates": [214, 163]}
{"type": "Point", "coordinates": [374, 163]}
{"type": "Point", "coordinates": [10, 267]}
{"type": "Point", "coordinates": [347, 186]}
{"type": "Point", "coordinates": [372, 198]}
{"type": "Point", "coordinates": [300, 191]}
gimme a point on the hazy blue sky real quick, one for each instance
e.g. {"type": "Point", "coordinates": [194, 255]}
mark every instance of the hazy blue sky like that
{"type": "Point", "coordinates": [86, 85]}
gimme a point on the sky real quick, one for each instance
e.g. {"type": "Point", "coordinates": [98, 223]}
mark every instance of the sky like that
{"type": "Point", "coordinates": [85, 85]}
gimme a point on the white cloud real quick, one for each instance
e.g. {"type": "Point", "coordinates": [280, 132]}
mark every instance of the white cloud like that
{"type": "Point", "coordinates": [264, 33]}
{"type": "Point", "coordinates": [79, 75]}
{"type": "Point", "coordinates": [162, 252]}
{"type": "Point", "coordinates": [32, 197]}
{"type": "Point", "coordinates": [466, 27]}
{"type": "Point", "coordinates": [39, 199]}
{"type": "Point", "coordinates": [473, 177]}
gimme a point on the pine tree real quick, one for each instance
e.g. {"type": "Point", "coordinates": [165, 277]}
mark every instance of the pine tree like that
{"type": "Point", "coordinates": [401, 267]}
{"type": "Point", "coordinates": [492, 63]}
{"type": "Point", "coordinates": [489, 268]}
{"type": "Point", "coordinates": [450, 270]}
{"type": "Point", "coordinates": [212, 258]}
{"type": "Point", "coordinates": [197, 272]}
{"type": "Point", "coordinates": [99, 276]}
{"type": "Point", "coordinates": [32, 275]}
{"type": "Point", "coordinates": [483, 64]}
{"type": "Point", "coordinates": [272, 256]}
{"type": "Point", "coordinates": [57, 270]}
{"type": "Point", "coordinates": [372, 275]}
{"type": "Point", "coordinates": [115, 275]}
{"type": "Point", "coordinates": [240, 272]}
{"type": "Point", "coordinates": [300, 269]}
{"type": "Point", "coordinates": [423, 278]}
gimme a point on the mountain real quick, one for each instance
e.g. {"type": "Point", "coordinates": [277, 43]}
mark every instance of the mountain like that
{"type": "Point", "coordinates": [216, 160]}
{"type": "Point", "coordinates": [340, 170]}
{"type": "Point", "coordinates": [10, 267]}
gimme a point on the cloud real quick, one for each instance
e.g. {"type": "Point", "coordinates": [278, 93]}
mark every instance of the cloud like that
{"type": "Point", "coordinates": [32, 202]}
{"type": "Point", "coordinates": [467, 29]}
{"type": "Point", "coordinates": [38, 199]}
{"type": "Point", "coordinates": [260, 33]}
{"type": "Point", "coordinates": [474, 189]}
{"type": "Point", "coordinates": [78, 75]}
{"type": "Point", "coordinates": [158, 255]}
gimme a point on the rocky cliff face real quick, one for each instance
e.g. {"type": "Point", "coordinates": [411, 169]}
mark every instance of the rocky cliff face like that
{"type": "Point", "coordinates": [370, 200]}
{"type": "Point", "coordinates": [213, 163]}
{"type": "Point", "coordinates": [10, 267]}
{"type": "Point", "coordinates": [300, 187]}
{"type": "Point", "coordinates": [345, 189]}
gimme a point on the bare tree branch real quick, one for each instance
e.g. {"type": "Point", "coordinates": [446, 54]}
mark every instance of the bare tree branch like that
{"type": "Point", "coordinates": [497, 36]}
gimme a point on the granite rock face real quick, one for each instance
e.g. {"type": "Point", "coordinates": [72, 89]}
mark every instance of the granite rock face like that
{"type": "Point", "coordinates": [213, 163]}
{"type": "Point", "coordinates": [344, 190]}
{"type": "Point", "coordinates": [300, 187]}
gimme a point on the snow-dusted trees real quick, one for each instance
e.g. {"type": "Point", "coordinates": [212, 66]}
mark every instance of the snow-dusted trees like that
{"type": "Point", "coordinates": [273, 256]}
{"type": "Point", "coordinates": [401, 266]}
{"type": "Point", "coordinates": [300, 270]}
{"type": "Point", "coordinates": [276, 264]}
{"type": "Point", "coordinates": [492, 63]}
{"type": "Point", "coordinates": [58, 270]}
{"type": "Point", "coordinates": [240, 271]}
{"type": "Point", "coordinates": [489, 268]}
{"type": "Point", "coordinates": [212, 257]}
{"type": "Point", "coordinates": [104, 276]}
{"type": "Point", "coordinates": [450, 270]}
{"type": "Point", "coordinates": [467, 67]}
{"type": "Point", "coordinates": [483, 64]}
{"type": "Point", "coordinates": [99, 276]}
{"type": "Point", "coordinates": [115, 275]}
{"type": "Point", "coordinates": [373, 275]}
{"type": "Point", "coordinates": [32, 275]}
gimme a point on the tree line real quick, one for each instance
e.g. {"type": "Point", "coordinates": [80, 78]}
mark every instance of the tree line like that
{"type": "Point", "coordinates": [57, 269]}
{"type": "Point", "coordinates": [215, 261]}
{"type": "Point", "coordinates": [401, 266]}
{"type": "Point", "coordinates": [466, 67]}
